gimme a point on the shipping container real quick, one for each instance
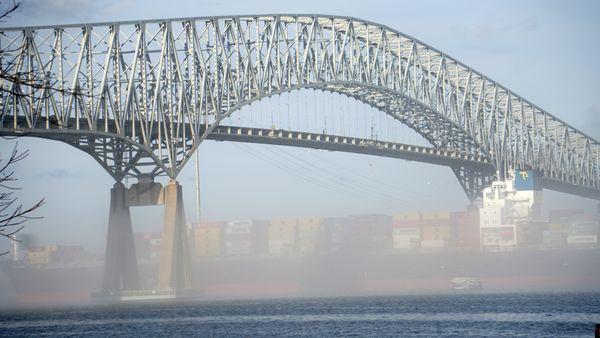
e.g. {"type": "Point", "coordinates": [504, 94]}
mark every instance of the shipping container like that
{"type": "Point", "coordinates": [260, 237]}
{"type": "Point", "coordinates": [368, 220]}
{"type": "Point", "coordinates": [310, 221]}
{"type": "Point", "coordinates": [39, 257]}
{"type": "Point", "coordinates": [381, 244]}
{"type": "Point", "coordinates": [406, 224]}
{"type": "Point", "coordinates": [281, 247]}
{"type": "Point", "coordinates": [432, 233]}
{"type": "Point", "coordinates": [309, 236]}
{"type": "Point", "coordinates": [434, 244]}
{"type": "Point", "coordinates": [582, 239]}
{"type": "Point", "coordinates": [564, 215]}
{"type": "Point", "coordinates": [282, 235]}
{"type": "Point", "coordinates": [532, 233]}
{"type": "Point", "coordinates": [208, 241]}
{"type": "Point", "coordinates": [498, 238]}
{"type": "Point", "coordinates": [583, 228]}
{"type": "Point", "coordinates": [554, 238]}
{"type": "Point", "coordinates": [404, 244]}
{"type": "Point", "coordinates": [437, 223]}
{"type": "Point", "coordinates": [238, 247]}
{"type": "Point", "coordinates": [465, 229]}
{"type": "Point", "coordinates": [238, 227]}
{"type": "Point", "coordinates": [284, 222]}
{"type": "Point", "coordinates": [469, 241]}
{"type": "Point", "coordinates": [366, 233]}
{"type": "Point", "coordinates": [406, 238]}
{"type": "Point", "coordinates": [427, 216]}
{"type": "Point", "coordinates": [558, 227]}
{"type": "Point", "coordinates": [401, 218]}
{"type": "Point", "coordinates": [383, 230]}
{"type": "Point", "coordinates": [332, 234]}
{"type": "Point", "coordinates": [414, 232]}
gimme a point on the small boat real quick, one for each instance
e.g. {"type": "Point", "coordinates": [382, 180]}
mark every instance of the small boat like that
{"type": "Point", "coordinates": [467, 284]}
{"type": "Point", "coordinates": [134, 296]}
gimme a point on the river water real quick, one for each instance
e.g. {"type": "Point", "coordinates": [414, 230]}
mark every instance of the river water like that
{"type": "Point", "coordinates": [550, 315]}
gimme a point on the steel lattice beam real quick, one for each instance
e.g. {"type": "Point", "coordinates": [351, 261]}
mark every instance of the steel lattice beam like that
{"type": "Point", "coordinates": [176, 80]}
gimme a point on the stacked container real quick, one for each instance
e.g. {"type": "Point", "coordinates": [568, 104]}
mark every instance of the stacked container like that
{"type": "Point", "coordinates": [553, 238]}
{"type": "Point", "coordinates": [559, 229]}
{"type": "Point", "coordinates": [282, 236]}
{"type": "Point", "coordinates": [406, 231]}
{"type": "Point", "coordinates": [309, 235]}
{"type": "Point", "coordinates": [382, 236]}
{"type": "Point", "coordinates": [465, 230]}
{"type": "Point", "coordinates": [208, 239]}
{"type": "Point", "coordinates": [238, 238]}
{"type": "Point", "coordinates": [583, 233]}
{"type": "Point", "coordinates": [435, 230]}
{"type": "Point", "coordinates": [260, 238]}
{"type": "Point", "coordinates": [332, 232]}
{"type": "Point", "coordinates": [367, 233]}
{"type": "Point", "coordinates": [532, 233]}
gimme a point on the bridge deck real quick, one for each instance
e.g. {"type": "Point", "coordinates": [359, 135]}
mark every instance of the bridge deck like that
{"type": "Point", "coordinates": [444, 157]}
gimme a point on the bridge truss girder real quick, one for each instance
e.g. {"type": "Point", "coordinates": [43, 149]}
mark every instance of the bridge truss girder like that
{"type": "Point", "coordinates": [170, 78]}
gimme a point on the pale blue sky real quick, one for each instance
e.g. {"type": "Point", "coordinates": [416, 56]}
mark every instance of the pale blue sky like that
{"type": "Point", "coordinates": [546, 51]}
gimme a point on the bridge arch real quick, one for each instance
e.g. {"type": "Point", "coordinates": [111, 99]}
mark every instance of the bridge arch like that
{"type": "Point", "coordinates": [437, 129]}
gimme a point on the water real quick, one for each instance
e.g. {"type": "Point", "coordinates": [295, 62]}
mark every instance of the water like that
{"type": "Point", "coordinates": [554, 315]}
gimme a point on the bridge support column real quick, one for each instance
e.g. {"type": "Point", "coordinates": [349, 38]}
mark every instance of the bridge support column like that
{"type": "Point", "coordinates": [175, 267]}
{"type": "Point", "coordinates": [120, 265]}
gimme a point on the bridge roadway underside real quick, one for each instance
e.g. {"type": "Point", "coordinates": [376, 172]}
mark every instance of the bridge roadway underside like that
{"type": "Point", "coordinates": [445, 157]}
{"type": "Point", "coordinates": [380, 148]}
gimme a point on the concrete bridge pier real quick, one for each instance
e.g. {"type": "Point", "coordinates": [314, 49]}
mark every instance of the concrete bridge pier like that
{"type": "Point", "coordinates": [175, 266]}
{"type": "Point", "coordinates": [120, 265]}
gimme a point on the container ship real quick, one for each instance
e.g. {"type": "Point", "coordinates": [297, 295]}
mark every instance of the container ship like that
{"type": "Point", "coordinates": [337, 256]}
{"type": "Point", "coordinates": [328, 275]}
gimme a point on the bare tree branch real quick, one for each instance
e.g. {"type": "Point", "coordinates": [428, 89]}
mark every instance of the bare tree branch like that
{"type": "Point", "coordinates": [26, 85]}
{"type": "Point", "coordinates": [12, 214]}
{"type": "Point", "coordinates": [10, 10]}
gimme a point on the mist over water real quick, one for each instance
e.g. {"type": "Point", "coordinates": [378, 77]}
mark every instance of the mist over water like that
{"type": "Point", "coordinates": [556, 315]}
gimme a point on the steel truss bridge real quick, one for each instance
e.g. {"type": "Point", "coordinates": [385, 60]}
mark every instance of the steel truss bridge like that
{"type": "Point", "coordinates": [140, 96]}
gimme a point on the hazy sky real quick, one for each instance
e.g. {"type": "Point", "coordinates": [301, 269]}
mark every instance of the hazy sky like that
{"type": "Point", "coordinates": [544, 50]}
